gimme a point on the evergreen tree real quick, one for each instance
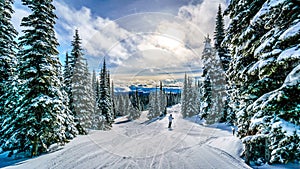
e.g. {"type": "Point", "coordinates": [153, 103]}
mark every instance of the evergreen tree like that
{"type": "Point", "coordinates": [153, 105]}
{"type": "Point", "coordinates": [134, 98]}
{"type": "Point", "coordinates": [67, 75]}
{"type": "Point", "coordinates": [89, 99]}
{"type": "Point", "coordinates": [69, 121]}
{"type": "Point", "coordinates": [206, 96]}
{"type": "Point", "coordinates": [78, 95]}
{"type": "Point", "coordinates": [7, 44]}
{"type": "Point", "coordinates": [190, 103]}
{"type": "Point", "coordinates": [94, 82]}
{"type": "Point", "coordinates": [162, 100]}
{"type": "Point", "coordinates": [218, 112]}
{"type": "Point", "coordinates": [119, 105]}
{"type": "Point", "coordinates": [223, 54]}
{"type": "Point", "coordinates": [213, 88]}
{"type": "Point", "coordinates": [95, 93]}
{"type": "Point", "coordinates": [126, 102]}
{"type": "Point", "coordinates": [76, 52]}
{"type": "Point", "coordinates": [184, 96]}
{"type": "Point", "coordinates": [113, 100]}
{"type": "Point", "coordinates": [242, 59]}
{"type": "Point", "coordinates": [197, 96]}
{"type": "Point", "coordinates": [8, 59]}
{"type": "Point", "coordinates": [97, 119]}
{"type": "Point", "coordinates": [264, 37]}
{"type": "Point", "coordinates": [41, 118]}
{"type": "Point", "coordinates": [219, 36]}
{"type": "Point", "coordinates": [104, 101]}
{"type": "Point", "coordinates": [191, 100]}
{"type": "Point", "coordinates": [133, 111]}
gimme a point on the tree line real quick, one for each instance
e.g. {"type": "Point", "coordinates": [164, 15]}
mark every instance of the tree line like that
{"type": "Point", "coordinates": [256, 84]}
{"type": "Point", "coordinates": [250, 79]}
{"type": "Point", "coordinates": [40, 103]}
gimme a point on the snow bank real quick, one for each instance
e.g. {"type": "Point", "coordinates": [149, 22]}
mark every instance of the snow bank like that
{"type": "Point", "coordinates": [230, 144]}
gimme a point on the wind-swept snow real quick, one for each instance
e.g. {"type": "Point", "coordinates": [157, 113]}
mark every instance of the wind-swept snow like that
{"type": "Point", "coordinates": [144, 144]}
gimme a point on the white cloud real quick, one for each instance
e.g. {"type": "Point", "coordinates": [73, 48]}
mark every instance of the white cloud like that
{"type": "Point", "coordinates": [203, 15]}
{"type": "Point", "coordinates": [141, 41]}
{"type": "Point", "coordinates": [99, 35]}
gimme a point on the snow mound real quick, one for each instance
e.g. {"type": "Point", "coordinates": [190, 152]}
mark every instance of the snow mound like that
{"type": "Point", "coordinates": [228, 144]}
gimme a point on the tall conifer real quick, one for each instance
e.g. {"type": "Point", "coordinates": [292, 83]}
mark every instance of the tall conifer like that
{"type": "Point", "coordinates": [41, 117]}
{"type": "Point", "coordinates": [104, 101]}
{"type": "Point", "coordinates": [8, 46]}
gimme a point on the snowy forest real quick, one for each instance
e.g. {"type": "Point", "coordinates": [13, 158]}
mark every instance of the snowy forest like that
{"type": "Point", "coordinates": [250, 80]}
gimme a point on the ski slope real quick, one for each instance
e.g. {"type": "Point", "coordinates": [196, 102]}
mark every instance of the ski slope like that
{"type": "Point", "coordinates": [144, 144]}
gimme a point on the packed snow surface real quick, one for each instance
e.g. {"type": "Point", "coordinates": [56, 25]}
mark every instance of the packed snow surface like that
{"type": "Point", "coordinates": [143, 144]}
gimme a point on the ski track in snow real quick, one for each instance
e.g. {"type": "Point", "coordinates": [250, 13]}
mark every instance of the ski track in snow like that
{"type": "Point", "coordinates": [141, 144]}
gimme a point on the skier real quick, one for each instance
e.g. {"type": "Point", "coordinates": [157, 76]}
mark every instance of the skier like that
{"type": "Point", "coordinates": [170, 120]}
{"type": "Point", "coordinates": [233, 130]}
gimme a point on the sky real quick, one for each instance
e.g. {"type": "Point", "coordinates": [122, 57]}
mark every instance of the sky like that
{"type": "Point", "coordinates": [142, 41]}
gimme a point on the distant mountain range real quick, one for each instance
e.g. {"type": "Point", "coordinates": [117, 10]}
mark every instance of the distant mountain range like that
{"type": "Point", "coordinates": [144, 89]}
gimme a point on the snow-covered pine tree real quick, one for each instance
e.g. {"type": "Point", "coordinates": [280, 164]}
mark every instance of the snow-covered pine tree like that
{"type": "Point", "coordinates": [219, 36]}
{"type": "Point", "coordinates": [95, 87]}
{"type": "Point", "coordinates": [126, 102]}
{"type": "Point", "coordinates": [104, 101]}
{"type": "Point", "coordinates": [8, 59]}
{"type": "Point", "coordinates": [170, 99]}
{"type": "Point", "coordinates": [40, 117]}
{"type": "Point", "coordinates": [134, 98]}
{"type": "Point", "coordinates": [184, 96]}
{"type": "Point", "coordinates": [69, 122]}
{"type": "Point", "coordinates": [191, 99]}
{"type": "Point", "coordinates": [79, 96]}
{"type": "Point", "coordinates": [228, 108]}
{"type": "Point", "coordinates": [217, 78]}
{"type": "Point", "coordinates": [75, 52]}
{"type": "Point", "coordinates": [264, 37]}
{"type": "Point", "coordinates": [245, 85]}
{"type": "Point", "coordinates": [119, 105]}
{"type": "Point", "coordinates": [12, 97]}
{"type": "Point", "coordinates": [153, 105]}
{"type": "Point", "coordinates": [97, 92]}
{"type": "Point", "coordinates": [206, 96]}
{"type": "Point", "coordinates": [132, 111]}
{"type": "Point", "coordinates": [113, 101]}
{"type": "Point", "coordinates": [67, 88]}
{"type": "Point", "coordinates": [98, 120]}
{"type": "Point", "coordinates": [94, 82]}
{"type": "Point", "coordinates": [90, 99]}
{"type": "Point", "coordinates": [284, 144]}
{"type": "Point", "coordinates": [67, 75]}
{"type": "Point", "coordinates": [7, 44]}
{"type": "Point", "coordinates": [222, 53]}
{"type": "Point", "coordinates": [108, 82]}
{"type": "Point", "coordinates": [162, 99]}
{"type": "Point", "coordinates": [190, 104]}
{"type": "Point", "coordinates": [197, 91]}
{"type": "Point", "coordinates": [213, 92]}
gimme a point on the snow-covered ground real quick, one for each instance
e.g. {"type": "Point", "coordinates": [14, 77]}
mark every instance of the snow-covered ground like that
{"type": "Point", "coordinates": [144, 144]}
